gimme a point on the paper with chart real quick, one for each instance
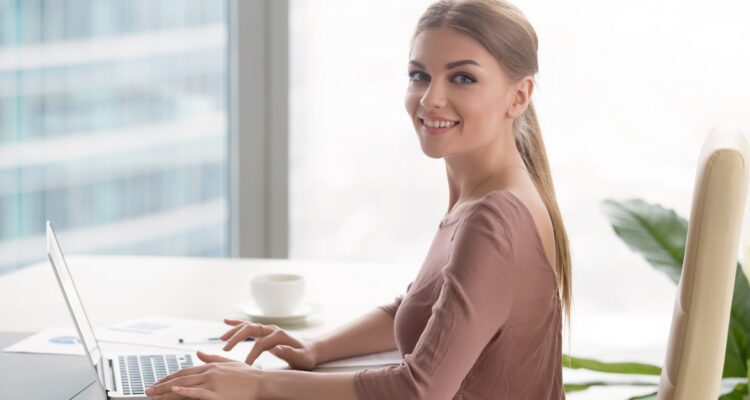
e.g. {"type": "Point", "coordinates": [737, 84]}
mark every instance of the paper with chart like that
{"type": "Point", "coordinates": [143, 335]}
{"type": "Point", "coordinates": [49, 341]}
{"type": "Point", "coordinates": [161, 334]}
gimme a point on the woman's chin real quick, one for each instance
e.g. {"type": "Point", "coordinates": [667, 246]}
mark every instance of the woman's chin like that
{"type": "Point", "coordinates": [433, 152]}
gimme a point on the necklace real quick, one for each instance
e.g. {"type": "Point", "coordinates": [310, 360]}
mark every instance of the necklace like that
{"type": "Point", "coordinates": [455, 206]}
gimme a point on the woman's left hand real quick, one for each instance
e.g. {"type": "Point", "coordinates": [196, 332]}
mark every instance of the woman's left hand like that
{"type": "Point", "coordinates": [220, 378]}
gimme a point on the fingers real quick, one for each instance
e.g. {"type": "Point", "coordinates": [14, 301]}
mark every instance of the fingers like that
{"type": "Point", "coordinates": [238, 324]}
{"type": "Point", "coordinates": [168, 396]}
{"type": "Point", "coordinates": [195, 393]}
{"type": "Point", "coordinates": [247, 330]}
{"type": "Point", "coordinates": [240, 334]}
{"type": "Point", "coordinates": [294, 357]}
{"type": "Point", "coordinates": [231, 332]}
{"type": "Point", "coordinates": [233, 322]}
{"type": "Point", "coordinates": [183, 372]}
{"type": "Point", "coordinates": [276, 337]}
{"type": "Point", "coordinates": [178, 394]}
{"type": "Point", "coordinates": [166, 387]}
{"type": "Point", "coordinates": [210, 358]}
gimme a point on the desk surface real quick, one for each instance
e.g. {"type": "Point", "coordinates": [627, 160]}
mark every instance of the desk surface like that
{"type": "Point", "coordinates": [119, 288]}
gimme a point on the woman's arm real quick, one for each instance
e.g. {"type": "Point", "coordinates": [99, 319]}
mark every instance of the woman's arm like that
{"type": "Point", "coordinates": [222, 378]}
{"type": "Point", "coordinates": [371, 333]}
{"type": "Point", "coordinates": [307, 385]}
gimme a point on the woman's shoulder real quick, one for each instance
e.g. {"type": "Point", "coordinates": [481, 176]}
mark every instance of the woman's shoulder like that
{"type": "Point", "coordinates": [508, 206]}
{"type": "Point", "coordinates": [498, 210]}
{"type": "Point", "coordinates": [514, 208]}
{"type": "Point", "coordinates": [506, 203]}
{"type": "Point", "coordinates": [519, 209]}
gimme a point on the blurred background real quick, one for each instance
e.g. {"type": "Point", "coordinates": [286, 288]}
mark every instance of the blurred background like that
{"type": "Point", "coordinates": [116, 125]}
{"type": "Point", "coordinates": [113, 125]}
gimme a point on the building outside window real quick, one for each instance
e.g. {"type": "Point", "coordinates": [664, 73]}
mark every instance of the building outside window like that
{"type": "Point", "coordinates": [113, 125]}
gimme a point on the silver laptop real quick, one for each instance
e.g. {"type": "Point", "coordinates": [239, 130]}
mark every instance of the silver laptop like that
{"type": "Point", "coordinates": [122, 376]}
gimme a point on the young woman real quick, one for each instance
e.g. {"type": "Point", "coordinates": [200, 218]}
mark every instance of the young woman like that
{"type": "Point", "coordinates": [482, 319]}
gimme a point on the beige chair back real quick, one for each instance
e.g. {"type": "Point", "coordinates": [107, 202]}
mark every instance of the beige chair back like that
{"type": "Point", "coordinates": [700, 319]}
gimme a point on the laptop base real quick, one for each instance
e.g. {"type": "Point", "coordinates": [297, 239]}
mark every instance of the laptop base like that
{"type": "Point", "coordinates": [44, 376]}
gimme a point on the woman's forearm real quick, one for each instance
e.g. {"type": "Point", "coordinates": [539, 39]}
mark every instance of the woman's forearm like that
{"type": "Point", "coordinates": [372, 333]}
{"type": "Point", "coordinates": [289, 385]}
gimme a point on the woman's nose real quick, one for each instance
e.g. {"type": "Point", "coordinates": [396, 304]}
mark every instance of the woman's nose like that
{"type": "Point", "coordinates": [434, 97]}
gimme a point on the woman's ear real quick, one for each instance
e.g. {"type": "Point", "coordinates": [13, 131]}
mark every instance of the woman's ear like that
{"type": "Point", "coordinates": [522, 91]}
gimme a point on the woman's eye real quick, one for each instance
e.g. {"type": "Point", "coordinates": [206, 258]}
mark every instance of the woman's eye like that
{"type": "Point", "coordinates": [463, 78]}
{"type": "Point", "coordinates": [417, 76]}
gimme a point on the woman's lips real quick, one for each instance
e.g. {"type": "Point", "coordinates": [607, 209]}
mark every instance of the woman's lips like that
{"type": "Point", "coordinates": [434, 130]}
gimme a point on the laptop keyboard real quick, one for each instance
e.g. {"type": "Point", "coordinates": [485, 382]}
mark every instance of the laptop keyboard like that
{"type": "Point", "coordinates": [137, 372]}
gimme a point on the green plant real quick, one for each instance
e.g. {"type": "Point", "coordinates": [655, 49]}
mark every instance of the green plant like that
{"type": "Point", "coordinates": [659, 235]}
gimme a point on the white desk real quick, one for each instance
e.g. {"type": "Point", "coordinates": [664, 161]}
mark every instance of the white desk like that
{"type": "Point", "coordinates": [118, 288]}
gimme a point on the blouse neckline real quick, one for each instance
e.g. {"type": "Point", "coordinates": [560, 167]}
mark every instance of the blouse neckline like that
{"type": "Point", "coordinates": [452, 219]}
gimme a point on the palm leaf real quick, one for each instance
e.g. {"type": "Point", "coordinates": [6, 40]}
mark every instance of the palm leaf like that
{"type": "Point", "coordinates": [649, 396]}
{"type": "Point", "coordinates": [738, 393]}
{"type": "Point", "coordinates": [581, 386]}
{"type": "Point", "coordinates": [659, 235]}
{"type": "Point", "coordinates": [656, 233]}
{"type": "Point", "coordinates": [610, 367]}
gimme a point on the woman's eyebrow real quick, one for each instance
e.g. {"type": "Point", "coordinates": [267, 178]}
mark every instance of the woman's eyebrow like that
{"type": "Point", "coordinates": [450, 65]}
{"type": "Point", "coordinates": [461, 62]}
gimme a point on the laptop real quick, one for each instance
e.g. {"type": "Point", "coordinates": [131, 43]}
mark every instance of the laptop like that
{"type": "Point", "coordinates": [124, 376]}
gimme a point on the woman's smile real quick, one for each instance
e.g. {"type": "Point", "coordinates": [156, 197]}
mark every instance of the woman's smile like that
{"type": "Point", "coordinates": [436, 126]}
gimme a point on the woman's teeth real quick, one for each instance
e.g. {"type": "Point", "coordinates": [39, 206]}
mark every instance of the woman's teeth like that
{"type": "Point", "coordinates": [439, 124]}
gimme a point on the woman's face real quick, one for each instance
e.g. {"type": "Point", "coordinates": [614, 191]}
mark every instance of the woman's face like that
{"type": "Point", "coordinates": [452, 78]}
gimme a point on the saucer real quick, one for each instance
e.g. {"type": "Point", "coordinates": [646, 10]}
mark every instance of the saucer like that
{"type": "Point", "coordinates": [299, 315]}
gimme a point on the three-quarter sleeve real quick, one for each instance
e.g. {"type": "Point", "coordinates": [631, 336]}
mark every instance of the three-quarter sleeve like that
{"type": "Point", "coordinates": [473, 306]}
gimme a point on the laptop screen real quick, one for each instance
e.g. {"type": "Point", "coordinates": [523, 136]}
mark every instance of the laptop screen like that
{"type": "Point", "coordinates": [85, 332]}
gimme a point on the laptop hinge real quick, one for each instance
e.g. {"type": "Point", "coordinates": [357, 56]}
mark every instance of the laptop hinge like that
{"type": "Point", "coordinates": [112, 375]}
{"type": "Point", "coordinates": [103, 376]}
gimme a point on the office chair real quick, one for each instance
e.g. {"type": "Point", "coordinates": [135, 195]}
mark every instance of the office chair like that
{"type": "Point", "coordinates": [700, 319]}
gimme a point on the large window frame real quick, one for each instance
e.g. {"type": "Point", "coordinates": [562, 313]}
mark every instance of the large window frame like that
{"type": "Point", "coordinates": [258, 128]}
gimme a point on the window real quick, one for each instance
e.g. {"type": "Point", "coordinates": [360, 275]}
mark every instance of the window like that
{"type": "Point", "coordinates": [113, 125]}
{"type": "Point", "coordinates": [360, 188]}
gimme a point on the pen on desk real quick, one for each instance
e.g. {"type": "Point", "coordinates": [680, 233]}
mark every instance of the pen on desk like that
{"type": "Point", "coordinates": [202, 340]}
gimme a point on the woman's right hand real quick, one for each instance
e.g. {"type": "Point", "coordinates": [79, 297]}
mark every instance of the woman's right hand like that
{"type": "Point", "coordinates": [299, 354]}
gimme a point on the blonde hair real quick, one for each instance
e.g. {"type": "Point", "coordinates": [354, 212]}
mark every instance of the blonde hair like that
{"type": "Point", "coordinates": [506, 33]}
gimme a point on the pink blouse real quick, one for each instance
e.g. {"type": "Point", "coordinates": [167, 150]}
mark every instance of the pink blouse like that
{"type": "Point", "coordinates": [482, 319]}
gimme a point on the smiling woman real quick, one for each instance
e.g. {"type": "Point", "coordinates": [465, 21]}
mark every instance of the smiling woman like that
{"type": "Point", "coordinates": [490, 328]}
{"type": "Point", "coordinates": [483, 317]}
{"type": "Point", "coordinates": [470, 61]}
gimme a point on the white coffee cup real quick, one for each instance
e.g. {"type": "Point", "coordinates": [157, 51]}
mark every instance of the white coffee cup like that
{"type": "Point", "coordinates": [277, 294]}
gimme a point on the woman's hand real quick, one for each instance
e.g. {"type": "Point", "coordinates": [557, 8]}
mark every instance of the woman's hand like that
{"type": "Point", "coordinates": [219, 379]}
{"type": "Point", "coordinates": [299, 354]}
